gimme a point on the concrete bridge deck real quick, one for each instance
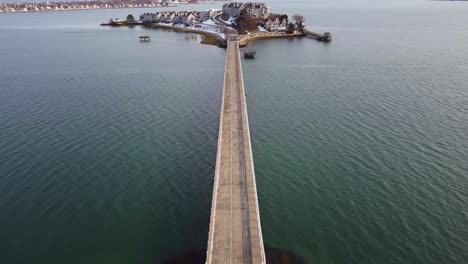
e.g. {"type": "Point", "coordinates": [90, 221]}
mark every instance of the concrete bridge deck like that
{"type": "Point", "coordinates": [235, 231]}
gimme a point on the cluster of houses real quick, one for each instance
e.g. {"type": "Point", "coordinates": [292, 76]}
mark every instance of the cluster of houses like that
{"type": "Point", "coordinates": [74, 5]}
{"type": "Point", "coordinates": [183, 17]}
{"type": "Point", "coordinates": [260, 12]}
{"type": "Point", "coordinates": [33, 6]}
{"type": "Point", "coordinates": [254, 10]}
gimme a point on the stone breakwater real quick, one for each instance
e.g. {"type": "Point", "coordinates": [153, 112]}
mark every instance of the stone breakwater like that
{"type": "Point", "coordinates": [247, 39]}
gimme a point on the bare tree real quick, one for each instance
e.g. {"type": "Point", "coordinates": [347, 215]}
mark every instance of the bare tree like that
{"type": "Point", "coordinates": [299, 23]}
{"type": "Point", "coordinates": [299, 18]}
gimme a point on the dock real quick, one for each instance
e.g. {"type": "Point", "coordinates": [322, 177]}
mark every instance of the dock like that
{"type": "Point", "coordinates": [145, 38]}
{"type": "Point", "coordinates": [326, 37]}
{"type": "Point", "coordinates": [235, 234]}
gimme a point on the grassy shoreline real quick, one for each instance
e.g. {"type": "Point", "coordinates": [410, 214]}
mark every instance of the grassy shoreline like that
{"type": "Point", "coordinates": [247, 39]}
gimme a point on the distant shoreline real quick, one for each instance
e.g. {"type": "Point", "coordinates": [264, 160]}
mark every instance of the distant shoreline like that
{"type": "Point", "coordinates": [77, 9]}
{"type": "Point", "coordinates": [91, 8]}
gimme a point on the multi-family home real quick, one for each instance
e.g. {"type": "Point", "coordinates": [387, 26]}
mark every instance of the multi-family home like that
{"type": "Point", "coordinates": [168, 17]}
{"type": "Point", "coordinates": [276, 23]}
{"type": "Point", "coordinates": [149, 17]}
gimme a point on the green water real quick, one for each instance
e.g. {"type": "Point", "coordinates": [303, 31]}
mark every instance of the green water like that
{"type": "Point", "coordinates": [108, 145]}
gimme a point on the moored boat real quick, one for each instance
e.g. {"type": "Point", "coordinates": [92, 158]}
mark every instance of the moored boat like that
{"type": "Point", "coordinates": [145, 38]}
{"type": "Point", "coordinates": [250, 54]}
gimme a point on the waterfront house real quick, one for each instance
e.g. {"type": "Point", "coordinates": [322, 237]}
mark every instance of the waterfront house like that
{"type": "Point", "coordinates": [150, 17]}
{"type": "Point", "coordinates": [205, 15]}
{"type": "Point", "coordinates": [257, 10]}
{"type": "Point", "coordinates": [190, 17]}
{"type": "Point", "coordinates": [276, 23]}
{"type": "Point", "coordinates": [185, 17]}
{"type": "Point", "coordinates": [158, 15]}
{"type": "Point", "coordinates": [178, 17]}
{"type": "Point", "coordinates": [283, 23]}
{"type": "Point", "coordinates": [162, 17]}
{"type": "Point", "coordinates": [254, 10]}
{"type": "Point", "coordinates": [168, 17]}
{"type": "Point", "coordinates": [268, 24]}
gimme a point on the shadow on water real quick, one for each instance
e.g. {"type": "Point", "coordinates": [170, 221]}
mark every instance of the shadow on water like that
{"type": "Point", "coordinates": [273, 256]}
{"type": "Point", "coordinates": [191, 256]}
{"type": "Point", "coordinates": [280, 256]}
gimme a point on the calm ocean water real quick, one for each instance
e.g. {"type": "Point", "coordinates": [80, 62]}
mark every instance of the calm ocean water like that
{"type": "Point", "coordinates": [108, 145]}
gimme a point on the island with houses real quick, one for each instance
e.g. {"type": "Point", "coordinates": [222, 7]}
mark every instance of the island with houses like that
{"type": "Point", "coordinates": [250, 21]}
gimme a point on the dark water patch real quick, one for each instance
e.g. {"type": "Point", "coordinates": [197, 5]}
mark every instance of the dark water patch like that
{"type": "Point", "coordinates": [273, 256]}
{"type": "Point", "coordinates": [281, 256]}
{"type": "Point", "coordinates": [190, 256]}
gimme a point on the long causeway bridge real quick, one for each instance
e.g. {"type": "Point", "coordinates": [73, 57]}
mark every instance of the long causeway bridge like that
{"type": "Point", "coordinates": [235, 231]}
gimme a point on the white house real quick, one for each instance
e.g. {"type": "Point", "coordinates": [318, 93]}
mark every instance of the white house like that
{"type": "Point", "coordinates": [150, 17]}
{"type": "Point", "coordinates": [268, 24]}
{"type": "Point", "coordinates": [185, 17]}
{"type": "Point", "coordinates": [274, 24]}
{"type": "Point", "coordinates": [168, 17]}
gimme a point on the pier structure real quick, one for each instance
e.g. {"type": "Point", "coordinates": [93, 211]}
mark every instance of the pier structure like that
{"type": "Point", "coordinates": [145, 38]}
{"type": "Point", "coordinates": [235, 234]}
{"type": "Point", "coordinates": [326, 37]}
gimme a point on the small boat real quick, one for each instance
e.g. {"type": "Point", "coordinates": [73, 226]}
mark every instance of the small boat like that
{"type": "Point", "coordinates": [250, 54]}
{"type": "Point", "coordinates": [144, 38]}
